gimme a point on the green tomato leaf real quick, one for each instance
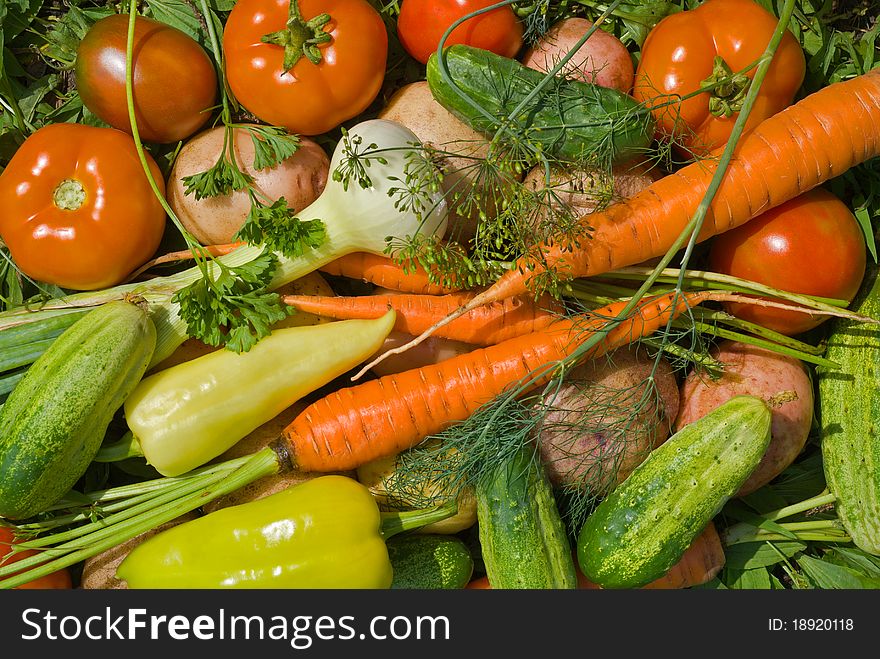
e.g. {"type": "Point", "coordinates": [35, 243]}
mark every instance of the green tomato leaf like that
{"type": "Point", "coordinates": [18, 15]}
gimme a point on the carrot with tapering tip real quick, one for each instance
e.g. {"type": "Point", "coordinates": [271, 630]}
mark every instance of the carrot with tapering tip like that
{"type": "Point", "coordinates": [804, 146]}
{"type": "Point", "coordinates": [385, 272]}
{"type": "Point", "coordinates": [356, 424]}
{"type": "Point", "coordinates": [486, 325]}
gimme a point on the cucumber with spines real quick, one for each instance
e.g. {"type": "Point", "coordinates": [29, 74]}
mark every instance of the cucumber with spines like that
{"type": "Point", "coordinates": [849, 412]}
{"type": "Point", "coordinates": [523, 540]}
{"type": "Point", "coordinates": [54, 420]}
{"type": "Point", "coordinates": [644, 526]}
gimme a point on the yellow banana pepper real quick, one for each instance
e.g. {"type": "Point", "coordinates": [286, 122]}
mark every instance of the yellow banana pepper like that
{"type": "Point", "coordinates": [185, 415]}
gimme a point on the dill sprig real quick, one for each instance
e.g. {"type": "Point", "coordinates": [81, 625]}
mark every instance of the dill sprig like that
{"type": "Point", "coordinates": [357, 158]}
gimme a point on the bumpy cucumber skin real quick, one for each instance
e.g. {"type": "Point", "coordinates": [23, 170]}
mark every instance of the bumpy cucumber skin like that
{"type": "Point", "coordinates": [55, 419]}
{"type": "Point", "coordinates": [522, 537]}
{"type": "Point", "coordinates": [430, 562]}
{"type": "Point", "coordinates": [849, 411]}
{"type": "Point", "coordinates": [645, 525]}
{"type": "Point", "coordinates": [482, 75]}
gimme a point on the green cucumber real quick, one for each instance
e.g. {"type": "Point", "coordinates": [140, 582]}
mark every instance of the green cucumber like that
{"type": "Point", "coordinates": [523, 539]}
{"type": "Point", "coordinates": [430, 561]}
{"type": "Point", "coordinates": [54, 421]}
{"type": "Point", "coordinates": [849, 412]}
{"type": "Point", "coordinates": [640, 530]}
{"type": "Point", "coordinates": [572, 120]}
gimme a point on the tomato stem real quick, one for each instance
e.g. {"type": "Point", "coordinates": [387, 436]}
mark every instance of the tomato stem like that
{"type": "Point", "coordinates": [730, 90]}
{"type": "Point", "coordinates": [69, 195]}
{"type": "Point", "coordinates": [300, 37]}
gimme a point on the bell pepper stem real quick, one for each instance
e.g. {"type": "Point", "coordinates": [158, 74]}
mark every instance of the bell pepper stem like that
{"type": "Point", "coordinates": [300, 37]}
{"type": "Point", "coordinates": [122, 449]}
{"type": "Point", "coordinates": [730, 90]}
{"type": "Point", "coordinates": [394, 523]}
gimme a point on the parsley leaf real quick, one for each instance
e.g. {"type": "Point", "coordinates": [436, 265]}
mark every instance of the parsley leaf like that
{"type": "Point", "coordinates": [221, 179]}
{"type": "Point", "coordinates": [237, 300]}
{"type": "Point", "coordinates": [278, 229]}
{"type": "Point", "coordinates": [272, 145]}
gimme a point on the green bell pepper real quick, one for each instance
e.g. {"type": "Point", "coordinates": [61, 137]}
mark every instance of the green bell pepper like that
{"type": "Point", "coordinates": [327, 532]}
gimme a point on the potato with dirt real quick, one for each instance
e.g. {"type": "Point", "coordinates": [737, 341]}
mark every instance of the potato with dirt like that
{"type": "Point", "coordinates": [782, 381]}
{"type": "Point", "coordinates": [300, 179]}
{"type": "Point", "coordinates": [605, 418]}
{"type": "Point", "coordinates": [602, 60]}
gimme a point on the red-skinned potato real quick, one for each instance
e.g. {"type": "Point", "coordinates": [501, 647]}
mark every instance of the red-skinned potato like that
{"type": "Point", "coordinates": [778, 379]}
{"type": "Point", "coordinates": [602, 59]}
{"type": "Point", "coordinates": [300, 179]}
{"type": "Point", "coordinates": [605, 419]}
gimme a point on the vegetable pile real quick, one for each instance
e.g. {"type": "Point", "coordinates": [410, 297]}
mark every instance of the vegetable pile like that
{"type": "Point", "coordinates": [439, 295]}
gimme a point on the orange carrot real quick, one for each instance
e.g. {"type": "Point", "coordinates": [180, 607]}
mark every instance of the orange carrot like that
{"type": "Point", "coordinates": [385, 272]}
{"type": "Point", "coordinates": [486, 325]}
{"type": "Point", "coordinates": [805, 145]}
{"type": "Point", "coordinates": [356, 424]}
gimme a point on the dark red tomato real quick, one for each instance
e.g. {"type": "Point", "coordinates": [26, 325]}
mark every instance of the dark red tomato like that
{"type": "Point", "coordinates": [59, 580]}
{"type": "Point", "coordinates": [174, 81]}
{"type": "Point", "coordinates": [421, 25]}
{"type": "Point", "coordinates": [811, 245]}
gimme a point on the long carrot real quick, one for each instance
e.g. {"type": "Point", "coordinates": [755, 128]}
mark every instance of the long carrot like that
{"type": "Point", "coordinates": [385, 272]}
{"type": "Point", "coordinates": [484, 326]}
{"type": "Point", "coordinates": [377, 418]}
{"type": "Point", "coordinates": [805, 145]}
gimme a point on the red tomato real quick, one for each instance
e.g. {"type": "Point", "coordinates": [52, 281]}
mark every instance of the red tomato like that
{"type": "Point", "coordinates": [59, 580]}
{"type": "Point", "coordinates": [174, 81]}
{"type": "Point", "coordinates": [309, 94]}
{"type": "Point", "coordinates": [811, 245]}
{"type": "Point", "coordinates": [682, 52]}
{"type": "Point", "coordinates": [78, 210]}
{"type": "Point", "coordinates": [421, 25]}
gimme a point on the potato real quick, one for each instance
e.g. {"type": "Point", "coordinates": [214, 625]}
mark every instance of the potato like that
{"type": "Point", "coordinates": [583, 191]}
{"type": "Point", "coordinates": [605, 418]}
{"type": "Point", "coordinates": [300, 179]}
{"type": "Point", "coordinates": [99, 572]}
{"type": "Point", "coordinates": [602, 59]}
{"type": "Point", "coordinates": [780, 380]}
{"type": "Point", "coordinates": [414, 106]}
